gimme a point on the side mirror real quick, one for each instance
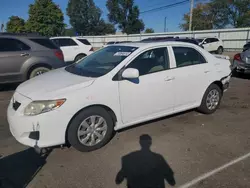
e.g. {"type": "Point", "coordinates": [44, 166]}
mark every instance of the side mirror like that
{"type": "Point", "coordinates": [204, 42]}
{"type": "Point", "coordinates": [130, 73]}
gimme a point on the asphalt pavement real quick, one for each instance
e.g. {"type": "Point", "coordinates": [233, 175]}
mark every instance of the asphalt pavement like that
{"type": "Point", "coordinates": [186, 150]}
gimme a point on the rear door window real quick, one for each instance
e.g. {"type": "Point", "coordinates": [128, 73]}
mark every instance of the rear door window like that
{"type": "Point", "coordinates": [185, 56]}
{"type": "Point", "coordinates": [44, 42]}
{"type": "Point", "coordinates": [84, 41]}
{"type": "Point", "coordinates": [66, 42]}
{"type": "Point", "coordinates": [12, 45]}
{"type": "Point", "coordinates": [214, 40]}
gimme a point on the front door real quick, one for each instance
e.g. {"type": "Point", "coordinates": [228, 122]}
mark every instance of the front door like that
{"type": "Point", "coordinates": [152, 93]}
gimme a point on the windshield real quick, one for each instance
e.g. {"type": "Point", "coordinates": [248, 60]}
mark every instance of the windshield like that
{"type": "Point", "coordinates": [101, 62]}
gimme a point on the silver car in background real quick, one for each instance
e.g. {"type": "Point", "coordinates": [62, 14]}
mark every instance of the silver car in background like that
{"type": "Point", "coordinates": [25, 56]}
{"type": "Point", "coordinates": [241, 62]}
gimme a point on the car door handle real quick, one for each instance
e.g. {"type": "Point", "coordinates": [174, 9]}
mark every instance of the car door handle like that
{"type": "Point", "coordinates": [169, 79]}
{"type": "Point", "coordinates": [206, 71]}
{"type": "Point", "coordinates": [24, 54]}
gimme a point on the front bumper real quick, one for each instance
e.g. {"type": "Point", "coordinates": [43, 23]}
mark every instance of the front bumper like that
{"type": "Point", "coordinates": [44, 130]}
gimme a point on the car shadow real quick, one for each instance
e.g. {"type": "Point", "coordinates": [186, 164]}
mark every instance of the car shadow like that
{"type": "Point", "coordinates": [156, 120]}
{"type": "Point", "coordinates": [8, 87]}
{"type": "Point", "coordinates": [17, 170]}
{"type": "Point", "coordinates": [241, 76]}
{"type": "Point", "coordinates": [144, 168]}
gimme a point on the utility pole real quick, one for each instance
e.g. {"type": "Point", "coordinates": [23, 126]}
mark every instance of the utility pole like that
{"type": "Point", "coordinates": [165, 24]}
{"type": "Point", "coordinates": [191, 14]}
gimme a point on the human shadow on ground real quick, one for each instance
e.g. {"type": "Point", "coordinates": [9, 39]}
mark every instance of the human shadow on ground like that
{"type": "Point", "coordinates": [144, 168]}
{"type": "Point", "coordinates": [17, 170]}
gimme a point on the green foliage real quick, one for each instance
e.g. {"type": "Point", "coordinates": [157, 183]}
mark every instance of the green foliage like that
{"type": "Point", "coordinates": [231, 12]}
{"type": "Point", "coordinates": [126, 15]}
{"type": "Point", "coordinates": [69, 32]}
{"type": "Point", "coordinates": [45, 18]}
{"type": "Point", "coordinates": [202, 18]}
{"type": "Point", "coordinates": [85, 18]}
{"type": "Point", "coordinates": [149, 30]}
{"type": "Point", "coordinates": [219, 14]}
{"type": "Point", "coordinates": [15, 25]}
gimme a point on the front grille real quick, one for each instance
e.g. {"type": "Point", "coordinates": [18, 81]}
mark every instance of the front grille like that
{"type": "Point", "coordinates": [16, 105]}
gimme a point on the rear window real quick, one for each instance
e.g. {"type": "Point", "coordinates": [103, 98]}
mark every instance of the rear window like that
{"type": "Point", "coordinates": [45, 43]}
{"type": "Point", "coordinates": [84, 41]}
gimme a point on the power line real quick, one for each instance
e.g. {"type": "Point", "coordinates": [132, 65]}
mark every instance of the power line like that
{"type": "Point", "coordinates": [164, 7]}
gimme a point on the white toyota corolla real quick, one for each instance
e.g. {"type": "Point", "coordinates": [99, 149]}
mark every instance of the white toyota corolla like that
{"type": "Point", "coordinates": [116, 87]}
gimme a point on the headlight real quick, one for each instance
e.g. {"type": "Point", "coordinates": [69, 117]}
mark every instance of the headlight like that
{"type": "Point", "coordinates": [38, 107]}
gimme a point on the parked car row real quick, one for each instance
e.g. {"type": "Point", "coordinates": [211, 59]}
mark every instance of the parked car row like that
{"type": "Point", "coordinates": [73, 48]}
{"type": "Point", "coordinates": [24, 56]}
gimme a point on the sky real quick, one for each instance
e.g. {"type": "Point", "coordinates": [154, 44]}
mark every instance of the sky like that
{"type": "Point", "coordinates": [153, 20]}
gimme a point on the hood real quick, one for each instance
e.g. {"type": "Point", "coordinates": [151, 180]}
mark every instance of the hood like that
{"type": "Point", "coordinates": [53, 83]}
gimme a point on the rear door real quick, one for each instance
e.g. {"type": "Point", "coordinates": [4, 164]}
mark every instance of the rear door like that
{"type": "Point", "coordinates": [13, 53]}
{"type": "Point", "coordinates": [69, 48]}
{"type": "Point", "coordinates": [192, 74]}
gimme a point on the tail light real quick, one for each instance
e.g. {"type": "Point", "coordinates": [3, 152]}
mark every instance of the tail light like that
{"type": "Point", "coordinates": [59, 54]}
{"type": "Point", "coordinates": [237, 57]}
{"type": "Point", "coordinates": [91, 49]}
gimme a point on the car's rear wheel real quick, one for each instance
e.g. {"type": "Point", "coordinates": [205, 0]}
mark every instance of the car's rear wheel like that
{"type": "Point", "coordinates": [211, 99]}
{"type": "Point", "coordinates": [38, 71]}
{"type": "Point", "coordinates": [90, 129]}
{"type": "Point", "coordinates": [219, 50]}
{"type": "Point", "coordinates": [78, 57]}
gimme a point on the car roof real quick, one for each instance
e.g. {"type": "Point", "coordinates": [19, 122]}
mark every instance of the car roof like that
{"type": "Point", "coordinates": [23, 37]}
{"type": "Point", "coordinates": [153, 44]}
{"type": "Point", "coordinates": [67, 37]}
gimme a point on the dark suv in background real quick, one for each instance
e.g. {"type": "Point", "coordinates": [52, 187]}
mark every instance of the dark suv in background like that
{"type": "Point", "coordinates": [160, 39]}
{"type": "Point", "coordinates": [25, 56]}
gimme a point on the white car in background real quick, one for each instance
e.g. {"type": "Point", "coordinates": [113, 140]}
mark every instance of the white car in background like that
{"type": "Point", "coordinates": [116, 87]}
{"type": "Point", "coordinates": [212, 44]}
{"type": "Point", "coordinates": [73, 48]}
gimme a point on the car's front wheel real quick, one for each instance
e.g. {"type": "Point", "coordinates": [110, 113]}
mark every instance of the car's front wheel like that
{"type": "Point", "coordinates": [90, 129]}
{"type": "Point", "coordinates": [78, 57]}
{"type": "Point", "coordinates": [220, 50]}
{"type": "Point", "coordinates": [211, 99]}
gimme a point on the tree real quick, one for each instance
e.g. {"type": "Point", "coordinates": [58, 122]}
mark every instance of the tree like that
{"type": "Point", "coordinates": [126, 15]}
{"type": "Point", "coordinates": [15, 25]}
{"type": "Point", "coordinates": [45, 18]}
{"type": "Point", "coordinates": [149, 30]}
{"type": "Point", "coordinates": [235, 13]}
{"type": "Point", "coordinates": [85, 17]}
{"type": "Point", "coordinates": [219, 14]}
{"type": "Point", "coordinates": [202, 18]}
{"type": "Point", "coordinates": [69, 32]}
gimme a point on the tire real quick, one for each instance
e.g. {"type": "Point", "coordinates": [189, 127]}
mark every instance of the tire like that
{"type": "Point", "coordinates": [85, 116]}
{"type": "Point", "coordinates": [204, 107]}
{"type": "Point", "coordinates": [78, 57]}
{"type": "Point", "coordinates": [219, 50]}
{"type": "Point", "coordinates": [38, 71]}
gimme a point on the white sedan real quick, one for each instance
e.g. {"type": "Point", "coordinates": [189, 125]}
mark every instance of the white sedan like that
{"type": "Point", "coordinates": [116, 87]}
